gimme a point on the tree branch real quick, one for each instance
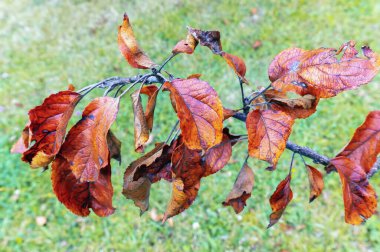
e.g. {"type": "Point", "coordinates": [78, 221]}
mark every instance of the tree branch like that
{"type": "Point", "coordinates": [304, 151]}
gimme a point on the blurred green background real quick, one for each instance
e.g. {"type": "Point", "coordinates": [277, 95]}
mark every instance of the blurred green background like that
{"type": "Point", "coordinates": [44, 45]}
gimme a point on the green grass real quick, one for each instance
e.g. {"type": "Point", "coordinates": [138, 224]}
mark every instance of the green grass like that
{"type": "Point", "coordinates": [44, 45]}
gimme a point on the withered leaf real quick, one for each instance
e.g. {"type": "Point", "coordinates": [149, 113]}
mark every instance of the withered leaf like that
{"type": "Point", "coordinates": [151, 91]}
{"type": "Point", "coordinates": [316, 182]}
{"type": "Point", "coordinates": [144, 171]}
{"type": "Point", "coordinates": [187, 173]}
{"type": "Point", "coordinates": [237, 64]}
{"type": "Point", "coordinates": [23, 142]}
{"type": "Point", "coordinates": [140, 124]}
{"type": "Point", "coordinates": [85, 147]}
{"type": "Point", "coordinates": [299, 107]}
{"type": "Point", "coordinates": [241, 190]}
{"type": "Point", "coordinates": [268, 131]}
{"type": "Point", "coordinates": [211, 39]}
{"type": "Point", "coordinates": [186, 46]}
{"type": "Point", "coordinates": [114, 146]}
{"type": "Point", "coordinates": [319, 72]}
{"type": "Point", "coordinates": [359, 197]}
{"type": "Point", "coordinates": [129, 47]}
{"type": "Point", "coordinates": [364, 146]}
{"type": "Point", "coordinates": [218, 156]}
{"type": "Point", "coordinates": [78, 196]}
{"type": "Point", "coordinates": [279, 200]}
{"type": "Point", "coordinates": [199, 110]}
{"type": "Point", "coordinates": [227, 113]}
{"type": "Point", "coordinates": [48, 124]}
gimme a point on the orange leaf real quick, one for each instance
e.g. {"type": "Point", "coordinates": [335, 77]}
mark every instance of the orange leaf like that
{"type": "Point", "coordinates": [23, 142]}
{"type": "Point", "coordinates": [85, 147]}
{"type": "Point", "coordinates": [218, 156]}
{"type": "Point", "coordinates": [78, 196]}
{"type": "Point", "coordinates": [279, 200]}
{"type": "Point", "coordinates": [319, 72]}
{"type": "Point", "coordinates": [364, 146]}
{"type": "Point", "coordinates": [227, 113]}
{"type": "Point", "coordinates": [129, 47]}
{"type": "Point", "coordinates": [242, 189]}
{"type": "Point", "coordinates": [199, 110]}
{"type": "Point", "coordinates": [186, 46]}
{"type": "Point", "coordinates": [237, 64]}
{"type": "Point", "coordinates": [316, 182]}
{"type": "Point", "coordinates": [360, 200]}
{"type": "Point", "coordinates": [268, 131]}
{"type": "Point", "coordinates": [211, 39]}
{"type": "Point", "coordinates": [48, 124]}
{"type": "Point", "coordinates": [187, 173]}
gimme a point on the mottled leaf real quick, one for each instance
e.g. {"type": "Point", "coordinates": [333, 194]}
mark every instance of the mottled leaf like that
{"type": "Point", "coordinates": [211, 39]}
{"type": "Point", "coordinates": [241, 190]}
{"type": "Point", "coordinates": [199, 110]}
{"type": "Point", "coordinates": [320, 72]}
{"type": "Point", "coordinates": [186, 46]}
{"type": "Point", "coordinates": [129, 47]}
{"type": "Point", "coordinates": [48, 124]}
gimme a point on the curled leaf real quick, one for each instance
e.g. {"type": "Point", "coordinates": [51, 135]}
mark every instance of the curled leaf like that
{"type": "Point", "coordinates": [268, 131]}
{"type": "Point", "coordinates": [237, 64]}
{"type": "Point", "coordinates": [23, 142]}
{"type": "Point", "coordinates": [211, 39]}
{"type": "Point", "coordinates": [199, 110]}
{"type": "Point", "coordinates": [114, 146]}
{"type": "Point", "coordinates": [144, 171]}
{"type": "Point", "coordinates": [186, 46]}
{"type": "Point", "coordinates": [140, 125]}
{"type": "Point", "coordinates": [319, 72]}
{"type": "Point", "coordinates": [78, 196]}
{"type": "Point", "coordinates": [279, 200]}
{"type": "Point", "coordinates": [359, 197]}
{"type": "Point", "coordinates": [85, 147]}
{"type": "Point", "coordinates": [241, 190]}
{"type": "Point", "coordinates": [151, 91]}
{"type": "Point", "coordinates": [316, 182]}
{"type": "Point", "coordinates": [129, 47]}
{"type": "Point", "coordinates": [364, 146]}
{"type": "Point", "coordinates": [48, 124]}
{"type": "Point", "coordinates": [187, 173]}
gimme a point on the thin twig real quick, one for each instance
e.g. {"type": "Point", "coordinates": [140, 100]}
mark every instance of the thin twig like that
{"type": "Point", "coordinates": [259, 94]}
{"type": "Point", "coordinates": [171, 132]}
{"type": "Point", "coordinates": [166, 61]}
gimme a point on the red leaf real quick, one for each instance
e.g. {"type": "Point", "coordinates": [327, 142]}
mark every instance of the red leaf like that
{"type": "Point", "coordinates": [114, 146]}
{"type": "Point", "coordinates": [85, 147]}
{"type": "Point", "coordinates": [268, 131]}
{"type": "Point", "coordinates": [48, 124]}
{"type": "Point", "coordinates": [364, 146]}
{"type": "Point", "coordinates": [80, 197]}
{"type": "Point", "coordinates": [186, 46]}
{"type": "Point", "coordinates": [242, 189]}
{"type": "Point", "coordinates": [129, 47]}
{"type": "Point", "coordinates": [279, 200]}
{"type": "Point", "coordinates": [316, 182]}
{"type": "Point", "coordinates": [319, 72]}
{"type": "Point", "coordinates": [199, 110]}
{"type": "Point", "coordinates": [360, 200]}
{"type": "Point", "coordinates": [140, 125]}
